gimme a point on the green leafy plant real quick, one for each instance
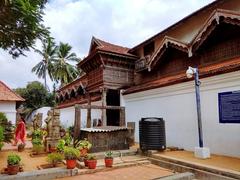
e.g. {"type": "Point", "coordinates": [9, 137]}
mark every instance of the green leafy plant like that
{"type": "Point", "coordinates": [36, 141]}
{"type": "Point", "coordinates": [109, 154]}
{"type": "Point", "coordinates": [60, 145]}
{"type": "Point", "coordinates": [71, 153]}
{"type": "Point", "coordinates": [13, 159]}
{"type": "Point", "coordinates": [68, 139]}
{"type": "Point", "coordinates": [37, 134]}
{"type": "Point", "coordinates": [54, 158]}
{"type": "Point", "coordinates": [91, 157]}
{"type": "Point", "coordinates": [7, 128]}
{"type": "Point", "coordinates": [83, 144]}
{"type": "Point", "coordinates": [1, 138]}
{"type": "Point", "coordinates": [37, 145]}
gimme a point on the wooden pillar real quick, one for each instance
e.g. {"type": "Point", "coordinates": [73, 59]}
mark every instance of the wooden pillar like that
{"type": "Point", "coordinates": [77, 123]}
{"type": "Point", "coordinates": [89, 113]}
{"type": "Point", "coordinates": [104, 103]}
{"type": "Point", "coordinates": [122, 117]}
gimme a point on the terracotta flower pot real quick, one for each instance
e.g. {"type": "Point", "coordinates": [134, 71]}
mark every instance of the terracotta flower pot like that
{"type": "Point", "coordinates": [86, 162]}
{"type": "Point", "coordinates": [108, 162]}
{"type": "Point", "coordinates": [71, 163]}
{"type": "Point", "coordinates": [92, 164]}
{"type": "Point", "coordinates": [83, 152]}
{"type": "Point", "coordinates": [13, 169]}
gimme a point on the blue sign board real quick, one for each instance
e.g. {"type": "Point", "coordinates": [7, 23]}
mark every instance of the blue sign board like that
{"type": "Point", "coordinates": [229, 107]}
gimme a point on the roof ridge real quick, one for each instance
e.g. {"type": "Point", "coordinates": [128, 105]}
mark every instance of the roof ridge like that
{"type": "Point", "coordinates": [103, 41]}
{"type": "Point", "coordinates": [21, 99]}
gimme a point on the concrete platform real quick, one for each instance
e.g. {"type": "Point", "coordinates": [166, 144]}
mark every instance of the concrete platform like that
{"type": "Point", "coordinates": [216, 167]}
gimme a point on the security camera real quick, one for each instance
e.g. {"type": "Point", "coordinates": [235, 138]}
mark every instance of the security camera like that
{"type": "Point", "coordinates": [190, 72]}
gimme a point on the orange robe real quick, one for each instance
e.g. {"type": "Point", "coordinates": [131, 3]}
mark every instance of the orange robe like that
{"type": "Point", "coordinates": [20, 132]}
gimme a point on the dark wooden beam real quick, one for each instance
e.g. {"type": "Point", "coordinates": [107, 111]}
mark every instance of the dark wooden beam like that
{"type": "Point", "coordinates": [99, 107]}
{"type": "Point", "coordinates": [77, 123]}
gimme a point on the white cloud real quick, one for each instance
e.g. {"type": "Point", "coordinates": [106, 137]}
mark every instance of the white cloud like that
{"type": "Point", "coordinates": [124, 22]}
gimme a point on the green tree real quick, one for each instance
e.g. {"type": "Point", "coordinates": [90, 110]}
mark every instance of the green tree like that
{"type": "Point", "coordinates": [64, 72]}
{"type": "Point", "coordinates": [36, 96]}
{"type": "Point", "coordinates": [21, 24]}
{"type": "Point", "coordinates": [45, 66]}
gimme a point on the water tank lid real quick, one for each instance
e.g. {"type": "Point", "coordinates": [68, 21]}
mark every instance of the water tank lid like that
{"type": "Point", "coordinates": [152, 119]}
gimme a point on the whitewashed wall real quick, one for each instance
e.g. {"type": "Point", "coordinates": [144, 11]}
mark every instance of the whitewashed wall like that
{"type": "Point", "coordinates": [9, 108]}
{"type": "Point", "coordinates": [67, 115]}
{"type": "Point", "coordinates": [177, 105]}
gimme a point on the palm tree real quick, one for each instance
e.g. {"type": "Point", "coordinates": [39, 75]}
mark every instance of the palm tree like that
{"type": "Point", "coordinates": [63, 70]}
{"type": "Point", "coordinates": [45, 66]}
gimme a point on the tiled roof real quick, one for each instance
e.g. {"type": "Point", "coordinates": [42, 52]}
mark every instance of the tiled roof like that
{"type": "Point", "coordinates": [6, 94]}
{"type": "Point", "coordinates": [106, 46]}
{"type": "Point", "coordinates": [219, 68]}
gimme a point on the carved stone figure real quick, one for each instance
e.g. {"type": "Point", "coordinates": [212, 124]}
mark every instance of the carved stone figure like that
{"type": "Point", "coordinates": [53, 128]}
{"type": "Point", "coordinates": [37, 121]}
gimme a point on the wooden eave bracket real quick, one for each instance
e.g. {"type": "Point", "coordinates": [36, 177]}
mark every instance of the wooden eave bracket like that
{"type": "Point", "coordinates": [205, 31]}
{"type": "Point", "coordinates": [166, 42]}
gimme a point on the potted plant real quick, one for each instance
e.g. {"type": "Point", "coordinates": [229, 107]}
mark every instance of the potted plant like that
{"type": "Point", "coordinates": [21, 147]}
{"type": "Point", "coordinates": [60, 145]}
{"type": "Point", "coordinates": [54, 158]}
{"type": "Point", "coordinates": [37, 145]}
{"type": "Point", "coordinates": [108, 159]}
{"type": "Point", "coordinates": [85, 160]}
{"type": "Point", "coordinates": [83, 146]}
{"type": "Point", "coordinates": [71, 154]}
{"type": "Point", "coordinates": [67, 138]}
{"type": "Point", "coordinates": [13, 161]}
{"type": "Point", "coordinates": [92, 161]}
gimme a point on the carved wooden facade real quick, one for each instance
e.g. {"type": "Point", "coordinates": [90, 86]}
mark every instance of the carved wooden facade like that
{"type": "Point", "coordinates": [213, 45]}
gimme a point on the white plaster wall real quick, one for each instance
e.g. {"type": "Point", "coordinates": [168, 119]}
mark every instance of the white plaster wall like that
{"type": "Point", "coordinates": [43, 110]}
{"type": "Point", "coordinates": [9, 108]}
{"type": "Point", "coordinates": [67, 115]}
{"type": "Point", "coordinates": [177, 105]}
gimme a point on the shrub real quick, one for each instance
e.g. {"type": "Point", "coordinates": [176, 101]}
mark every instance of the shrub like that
{"type": "Point", "coordinates": [36, 141]}
{"type": "Point", "coordinates": [54, 158]}
{"type": "Point", "coordinates": [67, 138]}
{"type": "Point", "coordinates": [60, 145]}
{"type": "Point", "coordinates": [13, 159]}
{"type": "Point", "coordinates": [7, 128]}
{"type": "Point", "coordinates": [83, 144]}
{"type": "Point", "coordinates": [37, 145]}
{"type": "Point", "coordinates": [1, 137]}
{"type": "Point", "coordinates": [71, 153]}
{"type": "Point", "coordinates": [37, 134]}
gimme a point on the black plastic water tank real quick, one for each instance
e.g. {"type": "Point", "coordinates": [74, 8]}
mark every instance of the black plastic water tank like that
{"type": "Point", "coordinates": [152, 134]}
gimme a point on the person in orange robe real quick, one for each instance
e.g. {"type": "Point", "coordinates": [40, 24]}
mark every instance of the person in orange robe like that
{"type": "Point", "coordinates": [20, 131]}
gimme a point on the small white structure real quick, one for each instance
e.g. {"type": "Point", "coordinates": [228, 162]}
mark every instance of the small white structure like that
{"type": "Point", "coordinates": [8, 101]}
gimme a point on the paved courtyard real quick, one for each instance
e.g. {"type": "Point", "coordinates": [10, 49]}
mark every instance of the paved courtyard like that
{"type": "Point", "coordinates": [216, 161]}
{"type": "Point", "coordinates": [143, 172]}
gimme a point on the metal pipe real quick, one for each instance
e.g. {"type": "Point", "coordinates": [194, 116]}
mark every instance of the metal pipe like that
{"type": "Point", "coordinates": [199, 116]}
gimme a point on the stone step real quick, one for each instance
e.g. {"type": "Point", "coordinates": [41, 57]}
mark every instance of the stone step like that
{"type": "Point", "coordinates": [200, 171]}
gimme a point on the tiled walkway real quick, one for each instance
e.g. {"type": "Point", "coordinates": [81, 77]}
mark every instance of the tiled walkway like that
{"type": "Point", "coordinates": [143, 172]}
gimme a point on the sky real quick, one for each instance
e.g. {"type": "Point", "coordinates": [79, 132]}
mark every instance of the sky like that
{"type": "Point", "coordinates": [122, 22]}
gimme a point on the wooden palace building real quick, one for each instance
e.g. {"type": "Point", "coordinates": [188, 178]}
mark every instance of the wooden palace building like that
{"type": "Point", "coordinates": [150, 79]}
